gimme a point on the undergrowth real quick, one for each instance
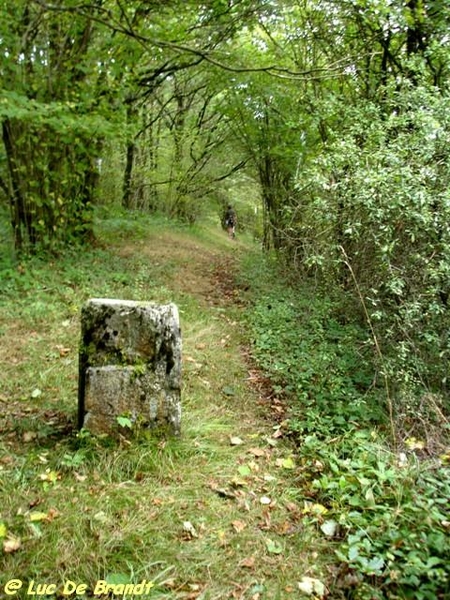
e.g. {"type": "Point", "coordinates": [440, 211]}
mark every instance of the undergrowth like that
{"type": "Point", "coordinates": [383, 508]}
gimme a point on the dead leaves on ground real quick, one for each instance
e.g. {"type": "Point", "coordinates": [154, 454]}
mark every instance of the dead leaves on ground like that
{"type": "Point", "coordinates": [255, 491]}
{"type": "Point", "coordinates": [33, 519]}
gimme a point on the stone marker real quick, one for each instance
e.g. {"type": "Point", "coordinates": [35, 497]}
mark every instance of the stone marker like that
{"type": "Point", "coordinates": [130, 366]}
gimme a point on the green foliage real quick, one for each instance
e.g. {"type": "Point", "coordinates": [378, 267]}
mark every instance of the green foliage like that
{"type": "Point", "coordinates": [378, 204]}
{"type": "Point", "coordinates": [391, 514]}
{"type": "Point", "coordinates": [125, 421]}
{"type": "Point", "coordinates": [312, 357]}
{"type": "Point", "coordinates": [385, 512]}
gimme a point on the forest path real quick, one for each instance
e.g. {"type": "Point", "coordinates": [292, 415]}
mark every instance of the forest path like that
{"type": "Point", "coordinates": [234, 483]}
{"type": "Point", "coordinates": [212, 515]}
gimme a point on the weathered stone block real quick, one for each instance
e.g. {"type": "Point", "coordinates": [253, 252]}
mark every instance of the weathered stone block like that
{"type": "Point", "coordinates": [130, 365]}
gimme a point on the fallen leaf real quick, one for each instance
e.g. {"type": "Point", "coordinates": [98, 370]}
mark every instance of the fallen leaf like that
{"type": "Point", "coordinates": [224, 493]}
{"type": "Point", "coordinates": [63, 351]}
{"type": "Point", "coordinates": [38, 516]}
{"type": "Point", "coordinates": [402, 460]}
{"type": "Point", "coordinates": [310, 586]}
{"type": "Point", "coordinates": [29, 436]}
{"type": "Point", "coordinates": [189, 529]}
{"type": "Point", "coordinates": [11, 544]}
{"type": "Point", "coordinates": [415, 444]}
{"type": "Point", "coordinates": [194, 587]}
{"type": "Point", "coordinates": [247, 563]}
{"type": "Point", "coordinates": [253, 466]}
{"type": "Point", "coordinates": [236, 441]}
{"type": "Point", "coordinates": [236, 482]}
{"type": "Point", "coordinates": [239, 526]}
{"type": "Point", "coordinates": [52, 514]}
{"type": "Point", "coordinates": [317, 509]}
{"type": "Point", "coordinates": [257, 452]}
{"type": "Point", "coordinates": [291, 506]}
{"type": "Point", "coordinates": [284, 528]}
{"type": "Point", "coordinates": [49, 475]}
{"type": "Point", "coordinates": [101, 517]}
{"type": "Point", "coordinates": [329, 528]}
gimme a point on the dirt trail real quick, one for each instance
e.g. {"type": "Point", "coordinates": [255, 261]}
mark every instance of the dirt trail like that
{"type": "Point", "coordinates": [214, 515]}
{"type": "Point", "coordinates": [249, 541]}
{"type": "Point", "coordinates": [206, 273]}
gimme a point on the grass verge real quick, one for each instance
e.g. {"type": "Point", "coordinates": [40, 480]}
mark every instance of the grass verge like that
{"type": "Point", "coordinates": [211, 515]}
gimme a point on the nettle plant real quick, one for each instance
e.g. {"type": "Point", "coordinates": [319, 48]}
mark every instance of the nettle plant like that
{"type": "Point", "coordinates": [320, 364]}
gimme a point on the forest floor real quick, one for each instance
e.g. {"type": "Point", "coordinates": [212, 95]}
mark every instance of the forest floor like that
{"type": "Point", "coordinates": [212, 515]}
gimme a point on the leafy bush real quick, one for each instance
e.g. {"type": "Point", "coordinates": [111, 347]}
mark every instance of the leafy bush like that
{"type": "Point", "coordinates": [377, 203]}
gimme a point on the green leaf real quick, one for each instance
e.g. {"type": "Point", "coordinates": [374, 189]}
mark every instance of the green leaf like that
{"type": "Point", "coordinates": [125, 422]}
{"type": "Point", "coordinates": [288, 463]}
{"type": "Point", "coordinates": [274, 547]}
{"type": "Point", "coordinates": [3, 529]}
{"type": "Point", "coordinates": [118, 579]}
{"type": "Point", "coordinates": [375, 564]}
{"type": "Point", "coordinates": [244, 471]}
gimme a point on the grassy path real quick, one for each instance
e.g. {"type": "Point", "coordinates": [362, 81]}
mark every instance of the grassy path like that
{"type": "Point", "coordinates": [212, 515]}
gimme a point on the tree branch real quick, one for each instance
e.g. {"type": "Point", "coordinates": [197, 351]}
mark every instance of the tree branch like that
{"type": "Point", "coordinates": [202, 54]}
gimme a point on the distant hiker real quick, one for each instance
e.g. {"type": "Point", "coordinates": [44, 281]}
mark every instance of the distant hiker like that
{"type": "Point", "coordinates": [230, 221]}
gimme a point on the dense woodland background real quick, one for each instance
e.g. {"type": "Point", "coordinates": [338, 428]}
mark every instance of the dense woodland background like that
{"type": "Point", "coordinates": [330, 117]}
{"type": "Point", "coordinates": [325, 122]}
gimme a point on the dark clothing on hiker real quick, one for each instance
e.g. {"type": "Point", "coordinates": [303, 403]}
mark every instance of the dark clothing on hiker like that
{"type": "Point", "coordinates": [230, 219]}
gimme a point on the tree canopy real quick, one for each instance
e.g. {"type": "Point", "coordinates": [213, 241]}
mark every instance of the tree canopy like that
{"type": "Point", "coordinates": [337, 110]}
